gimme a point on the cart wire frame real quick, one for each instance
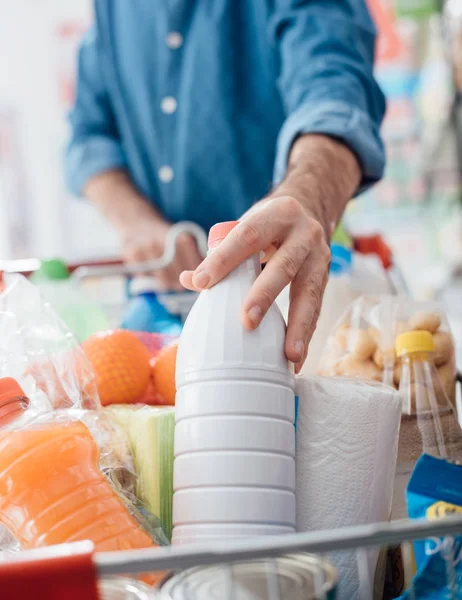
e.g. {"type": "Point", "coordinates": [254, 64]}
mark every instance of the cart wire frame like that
{"type": "Point", "coordinates": [64, 563]}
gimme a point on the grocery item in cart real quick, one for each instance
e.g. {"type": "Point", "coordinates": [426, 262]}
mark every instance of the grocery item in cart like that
{"type": "Point", "coordinates": [235, 402]}
{"type": "Point", "coordinates": [429, 422]}
{"type": "Point", "coordinates": [82, 315]}
{"type": "Point", "coordinates": [347, 440]}
{"type": "Point", "coordinates": [39, 351]}
{"type": "Point", "coordinates": [146, 313]}
{"type": "Point", "coordinates": [51, 488]}
{"type": "Point", "coordinates": [121, 365]}
{"type": "Point", "coordinates": [151, 431]}
{"type": "Point", "coordinates": [362, 343]}
{"type": "Point", "coordinates": [163, 368]}
{"type": "Point", "coordinates": [294, 577]}
{"type": "Point", "coordinates": [435, 492]}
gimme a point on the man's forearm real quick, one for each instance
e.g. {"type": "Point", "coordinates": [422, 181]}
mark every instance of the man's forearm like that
{"type": "Point", "coordinates": [322, 174]}
{"type": "Point", "coordinates": [114, 193]}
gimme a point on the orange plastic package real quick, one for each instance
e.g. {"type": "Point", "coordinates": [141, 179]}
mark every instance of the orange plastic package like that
{"type": "Point", "coordinates": [51, 489]}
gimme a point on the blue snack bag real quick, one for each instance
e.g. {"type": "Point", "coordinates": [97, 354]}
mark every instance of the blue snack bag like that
{"type": "Point", "coordinates": [434, 492]}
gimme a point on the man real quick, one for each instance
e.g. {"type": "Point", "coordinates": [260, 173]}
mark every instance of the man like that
{"type": "Point", "coordinates": [184, 107]}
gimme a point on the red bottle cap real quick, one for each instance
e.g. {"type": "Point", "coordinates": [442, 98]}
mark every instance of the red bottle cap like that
{"type": "Point", "coordinates": [375, 244]}
{"type": "Point", "coordinates": [219, 231]}
{"type": "Point", "coordinates": [13, 400]}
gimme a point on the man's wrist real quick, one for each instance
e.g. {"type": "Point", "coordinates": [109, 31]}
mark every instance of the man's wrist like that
{"type": "Point", "coordinates": [323, 175]}
{"type": "Point", "coordinates": [118, 199]}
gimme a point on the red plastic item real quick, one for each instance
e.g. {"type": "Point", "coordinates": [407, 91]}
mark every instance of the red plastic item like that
{"type": "Point", "coordinates": [374, 244]}
{"type": "Point", "coordinates": [52, 576]}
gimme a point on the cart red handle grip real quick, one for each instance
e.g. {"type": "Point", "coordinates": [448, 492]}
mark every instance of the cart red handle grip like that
{"type": "Point", "coordinates": [71, 576]}
{"type": "Point", "coordinates": [374, 244]}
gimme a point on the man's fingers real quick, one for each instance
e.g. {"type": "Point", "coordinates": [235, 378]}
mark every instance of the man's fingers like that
{"type": "Point", "coordinates": [186, 280]}
{"type": "Point", "coordinates": [278, 273]}
{"type": "Point", "coordinates": [252, 236]}
{"type": "Point", "coordinates": [307, 291]}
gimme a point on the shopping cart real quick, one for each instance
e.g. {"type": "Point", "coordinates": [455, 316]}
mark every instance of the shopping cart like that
{"type": "Point", "coordinates": [106, 281]}
{"type": "Point", "coordinates": [73, 571]}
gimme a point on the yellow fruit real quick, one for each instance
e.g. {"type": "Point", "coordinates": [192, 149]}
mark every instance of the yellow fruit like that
{"type": "Point", "coordinates": [121, 365]}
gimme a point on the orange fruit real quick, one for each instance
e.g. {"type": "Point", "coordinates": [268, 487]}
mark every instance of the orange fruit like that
{"type": "Point", "coordinates": [121, 364]}
{"type": "Point", "coordinates": [163, 374]}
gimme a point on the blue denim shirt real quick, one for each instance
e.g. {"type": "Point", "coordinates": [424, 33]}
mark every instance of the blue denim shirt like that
{"type": "Point", "coordinates": [201, 100]}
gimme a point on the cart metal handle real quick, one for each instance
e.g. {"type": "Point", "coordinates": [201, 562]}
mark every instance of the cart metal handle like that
{"type": "Point", "coordinates": [346, 538]}
{"type": "Point", "coordinates": [155, 264]}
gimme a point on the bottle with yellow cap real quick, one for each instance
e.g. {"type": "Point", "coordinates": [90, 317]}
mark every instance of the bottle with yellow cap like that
{"type": "Point", "coordinates": [429, 421]}
{"type": "Point", "coordinates": [428, 424]}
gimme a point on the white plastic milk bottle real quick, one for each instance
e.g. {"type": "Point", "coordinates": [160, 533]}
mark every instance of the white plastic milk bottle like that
{"type": "Point", "coordinates": [234, 470]}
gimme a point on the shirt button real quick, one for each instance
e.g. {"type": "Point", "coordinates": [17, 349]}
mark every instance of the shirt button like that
{"type": "Point", "coordinates": [168, 105]}
{"type": "Point", "coordinates": [174, 40]}
{"type": "Point", "coordinates": [166, 174]}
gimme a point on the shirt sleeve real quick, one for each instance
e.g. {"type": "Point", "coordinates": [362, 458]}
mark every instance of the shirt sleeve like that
{"type": "Point", "coordinates": [326, 52]}
{"type": "Point", "coordinates": [94, 145]}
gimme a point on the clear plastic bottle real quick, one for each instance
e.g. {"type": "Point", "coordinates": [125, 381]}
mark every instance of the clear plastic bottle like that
{"type": "Point", "coordinates": [429, 421]}
{"type": "Point", "coordinates": [428, 424]}
{"type": "Point", "coordinates": [82, 316]}
{"type": "Point", "coordinates": [234, 470]}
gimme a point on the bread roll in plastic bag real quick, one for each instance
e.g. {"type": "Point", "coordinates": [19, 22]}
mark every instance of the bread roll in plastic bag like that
{"type": "Point", "coordinates": [362, 343]}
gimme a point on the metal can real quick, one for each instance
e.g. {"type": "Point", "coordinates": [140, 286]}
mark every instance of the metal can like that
{"type": "Point", "coordinates": [121, 588]}
{"type": "Point", "coordinates": [297, 576]}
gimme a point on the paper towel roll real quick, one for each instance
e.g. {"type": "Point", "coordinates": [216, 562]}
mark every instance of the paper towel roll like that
{"type": "Point", "coordinates": [347, 442]}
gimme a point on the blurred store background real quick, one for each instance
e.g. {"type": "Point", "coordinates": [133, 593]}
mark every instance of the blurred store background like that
{"type": "Point", "coordinates": [417, 206]}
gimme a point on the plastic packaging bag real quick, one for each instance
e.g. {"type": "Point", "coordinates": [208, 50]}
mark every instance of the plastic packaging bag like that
{"type": "Point", "coordinates": [38, 350]}
{"type": "Point", "coordinates": [116, 464]}
{"type": "Point", "coordinates": [362, 343]}
{"type": "Point", "coordinates": [55, 458]}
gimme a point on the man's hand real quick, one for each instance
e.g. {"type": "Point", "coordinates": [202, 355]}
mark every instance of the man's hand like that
{"type": "Point", "coordinates": [146, 239]}
{"type": "Point", "coordinates": [142, 229]}
{"type": "Point", "coordinates": [296, 221]}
